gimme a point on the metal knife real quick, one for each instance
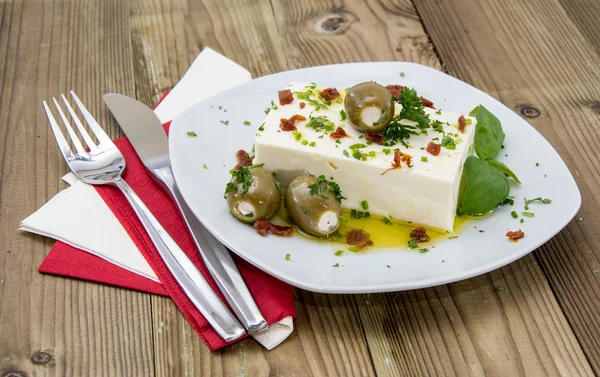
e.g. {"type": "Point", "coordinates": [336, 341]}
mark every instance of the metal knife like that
{"type": "Point", "coordinates": [145, 132]}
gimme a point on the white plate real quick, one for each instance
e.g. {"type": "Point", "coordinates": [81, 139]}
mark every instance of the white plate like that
{"type": "Point", "coordinates": [310, 266]}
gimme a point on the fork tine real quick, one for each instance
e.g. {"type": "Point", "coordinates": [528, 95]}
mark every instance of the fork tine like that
{"type": "Point", "coordinates": [63, 145]}
{"type": "Point", "coordinates": [80, 150]}
{"type": "Point", "coordinates": [94, 126]}
{"type": "Point", "coordinates": [86, 136]}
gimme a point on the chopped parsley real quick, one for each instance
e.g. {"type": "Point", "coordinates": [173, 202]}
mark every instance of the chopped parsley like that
{"type": "Point", "coordinates": [273, 106]}
{"type": "Point", "coordinates": [401, 74]}
{"type": "Point", "coordinates": [537, 164]}
{"type": "Point", "coordinates": [191, 133]}
{"type": "Point", "coordinates": [413, 243]}
{"type": "Point", "coordinates": [225, 122]}
{"type": "Point", "coordinates": [439, 111]}
{"type": "Point", "coordinates": [288, 256]}
{"type": "Point", "coordinates": [536, 200]}
{"type": "Point", "coordinates": [246, 123]}
{"type": "Point", "coordinates": [242, 177]}
{"type": "Point", "coordinates": [359, 214]}
{"type": "Point", "coordinates": [336, 265]}
{"type": "Point", "coordinates": [339, 252]}
{"type": "Point", "coordinates": [267, 110]}
{"type": "Point", "coordinates": [343, 114]}
{"type": "Point", "coordinates": [320, 124]}
{"type": "Point", "coordinates": [320, 188]}
{"type": "Point", "coordinates": [423, 251]}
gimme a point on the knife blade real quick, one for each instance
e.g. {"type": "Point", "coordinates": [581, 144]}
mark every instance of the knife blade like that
{"type": "Point", "coordinates": [145, 132]}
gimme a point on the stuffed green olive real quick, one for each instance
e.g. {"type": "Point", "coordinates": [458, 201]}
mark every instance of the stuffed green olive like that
{"type": "Point", "coordinates": [369, 106]}
{"type": "Point", "coordinates": [314, 205]}
{"type": "Point", "coordinates": [252, 194]}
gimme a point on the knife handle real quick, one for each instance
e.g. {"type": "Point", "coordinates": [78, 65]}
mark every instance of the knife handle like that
{"type": "Point", "coordinates": [183, 270]}
{"type": "Point", "coordinates": [217, 258]}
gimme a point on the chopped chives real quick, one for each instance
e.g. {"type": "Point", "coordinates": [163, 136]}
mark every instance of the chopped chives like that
{"type": "Point", "coordinates": [246, 122]}
{"type": "Point", "coordinates": [191, 133]}
{"type": "Point", "coordinates": [424, 159]}
{"type": "Point", "coordinates": [339, 252]}
{"type": "Point", "coordinates": [312, 144]}
{"type": "Point", "coordinates": [353, 249]}
{"type": "Point", "coordinates": [528, 214]}
{"type": "Point", "coordinates": [365, 205]}
{"type": "Point", "coordinates": [343, 219]}
{"type": "Point", "coordinates": [288, 256]}
{"type": "Point", "coordinates": [514, 214]}
{"type": "Point", "coordinates": [304, 142]}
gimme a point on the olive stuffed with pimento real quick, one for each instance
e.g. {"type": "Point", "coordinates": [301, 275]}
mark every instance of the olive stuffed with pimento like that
{"type": "Point", "coordinates": [314, 204]}
{"type": "Point", "coordinates": [369, 106]}
{"type": "Point", "coordinates": [252, 194]}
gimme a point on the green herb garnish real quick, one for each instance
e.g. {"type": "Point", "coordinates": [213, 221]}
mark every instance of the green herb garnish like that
{"type": "Point", "coordinates": [514, 214]}
{"type": "Point", "coordinates": [246, 123]}
{"type": "Point", "coordinates": [343, 219]}
{"type": "Point", "coordinates": [320, 188]}
{"type": "Point", "coordinates": [412, 244]}
{"type": "Point", "coordinates": [352, 249]}
{"type": "Point", "coordinates": [424, 159]}
{"type": "Point", "coordinates": [225, 122]}
{"type": "Point", "coordinates": [359, 214]}
{"type": "Point", "coordinates": [304, 142]}
{"type": "Point", "coordinates": [537, 200]}
{"type": "Point", "coordinates": [241, 177]}
{"type": "Point", "coordinates": [528, 214]}
{"type": "Point", "coordinates": [288, 256]}
{"type": "Point", "coordinates": [346, 153]}
{"type": "Point", "coordinates": [191, 133]}
{"type": "Point", "coordinates": [423, 251]}
{"type": "Point", "coordinates": [303, 209]}
{"type": "Point", "coordinates": [357, 146]}
{"type": "Point", "coordinates": [320, 124]}
{"type": "Point", "coordinates": [365, 205]}
{"type": "Point", "coordinates": [205, 166]}
{"type": "Point", "coordinates": [336, 265]}
{"type": "Point", "coordinates": [448, 142]}
{"type": "Point", "coordinates": [343, 114]}
{"type": "Point", "coordinates": [312, 144]}
{"type": "Point", "coordinates": [339, 252]}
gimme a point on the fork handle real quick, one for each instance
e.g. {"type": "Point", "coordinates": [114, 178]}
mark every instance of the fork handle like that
{"type": "Point", "coordinates": [183, 270]}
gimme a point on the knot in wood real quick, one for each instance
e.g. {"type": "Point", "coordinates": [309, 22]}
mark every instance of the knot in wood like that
{"type": "Point", "coordinates": [530, 112]}
{"type": "Point", "coordinates": [14, 373]}
{"type": "Point", "coordinates": [41, 358]}
{"type": "Point", "coordinates": [335, 23]}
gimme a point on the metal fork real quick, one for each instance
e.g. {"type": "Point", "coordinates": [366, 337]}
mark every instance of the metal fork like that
{"type": "Point", "coordinates": [103, 164]}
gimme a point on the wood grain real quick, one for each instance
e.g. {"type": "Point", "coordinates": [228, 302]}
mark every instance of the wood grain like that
{"type": "Point", "coordinates": [533, 54]}
{"type": "Point", "coordinates": [82, 329]}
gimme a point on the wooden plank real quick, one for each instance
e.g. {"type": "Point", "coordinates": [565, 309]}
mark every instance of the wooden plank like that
{"type": "Point", "coordinates": [82, 329]}
{"type": "Point", "coordinates": [532, 55]}
{"type": "Point", "coordinates": [584, 14]}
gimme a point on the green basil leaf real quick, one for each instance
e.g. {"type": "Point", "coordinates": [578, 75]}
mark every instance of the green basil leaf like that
{"type": "Point", "coordinates": [504, 169]}
{"type": "Point", "coordinates": [488, 134]}
{"type": "Point", "coordinates": [482, 187]}
{"type": "Point", "coordinates": [473, 112]}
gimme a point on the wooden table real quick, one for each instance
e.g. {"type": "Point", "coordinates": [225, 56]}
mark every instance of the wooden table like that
{"type": "Point", "coordinates": [538, 316]}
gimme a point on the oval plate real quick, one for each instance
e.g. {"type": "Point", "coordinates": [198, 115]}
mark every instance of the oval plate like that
{"type": "Point", "coordinates": [383, 269]}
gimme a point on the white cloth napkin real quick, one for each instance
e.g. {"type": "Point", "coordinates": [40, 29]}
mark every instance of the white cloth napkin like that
{"type": "Point", "coordinates": [66, 216]}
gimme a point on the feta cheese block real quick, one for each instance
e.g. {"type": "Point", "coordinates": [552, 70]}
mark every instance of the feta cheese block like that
{"type": "Point", "coordinates": [424, 192]}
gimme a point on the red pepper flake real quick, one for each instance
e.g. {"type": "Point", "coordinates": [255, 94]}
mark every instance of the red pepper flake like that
{"type": "Point", "coordinates": [358, 238]}
{"type": "Point", "coordinates": [514, 236]}
{"type": "Point", "coordinates": [243, 159]}
{"type": "Point", "coordinates": [420, 234]}
{"type": "Point", "coordinates": [330, 94]}
{"type": "Point", "coordinates": [375, 138]}
{"type": "Point", "coordinates": [289, 124]}
{"type": "Point", "coordinates": [427, 103]}
{"type": "Point", "coordinates": [395, 90]}
{"type": "Point", "coordinates": [263, 227]}
{"type": "Point", "coordinates": [338, 133]}
{"type": "Point", "coordinates": [285, 97]}
{"type": "Point", "coordinates": [434, 148]}
{"type": "Point", "coordinates": [461, 123]}
{"type": "Point", "coordinates": [302, 105]}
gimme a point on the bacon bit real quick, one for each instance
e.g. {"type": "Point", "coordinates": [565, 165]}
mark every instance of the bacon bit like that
{"type": "Point", "coordinates": [427, 103]}
{"type": "Point", "coordinates": [461, 123]}
{"type": "Point", "coordinates": [514, 236]}
{"type": "Point", "coordinates": [399, 156]}
{"type": "Point", "coordinates": [395, 90]}
{"type": "Point", "coordinates": [434, 148]}
{"type": "Point", "coordinates": [338, 133]}
{"type": "Point", "coordinates": [289, 124]}
{"type": "Point", "coordinates": [330, 93]}
{"type": "Point", "coordinates": [395, 163]}
{"type": "Point", "coordinates": [375, 138]}
{"type": "Point", "coordinates": [358, 238]}
{"type": "Point", "coordinates": [285, 97]}
{"type": "Point", "coordinates": [243, 159]}
{"type": "Point", "coordinates": [420, 234]}
{"type": "Point", "coordinates": [333, 166]}
{"type": "Point", "coordinates": [262, 227]}
{"type": "Point", "coordinates": [302, 104]}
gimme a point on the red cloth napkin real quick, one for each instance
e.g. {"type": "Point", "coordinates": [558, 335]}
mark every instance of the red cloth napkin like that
{"type": "Point", "coordinates": [273, 297]}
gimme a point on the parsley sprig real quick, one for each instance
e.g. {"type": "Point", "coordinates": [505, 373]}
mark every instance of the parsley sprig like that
{"type": "Point", "coordinates": [321, 186]}
{"type": "Point", "coordinates": [241, 176]}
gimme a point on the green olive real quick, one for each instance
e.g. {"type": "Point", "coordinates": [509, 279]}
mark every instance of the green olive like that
{"type": "Point", "coordinates": [261, 200]}
{"type": "Point", "coordinates": [317, 214]}
{"type": "Point", "coordinates": [369, 106]}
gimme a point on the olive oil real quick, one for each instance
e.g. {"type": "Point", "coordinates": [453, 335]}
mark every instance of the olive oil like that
{"type": "Point", "coordinates": [394, 234]}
